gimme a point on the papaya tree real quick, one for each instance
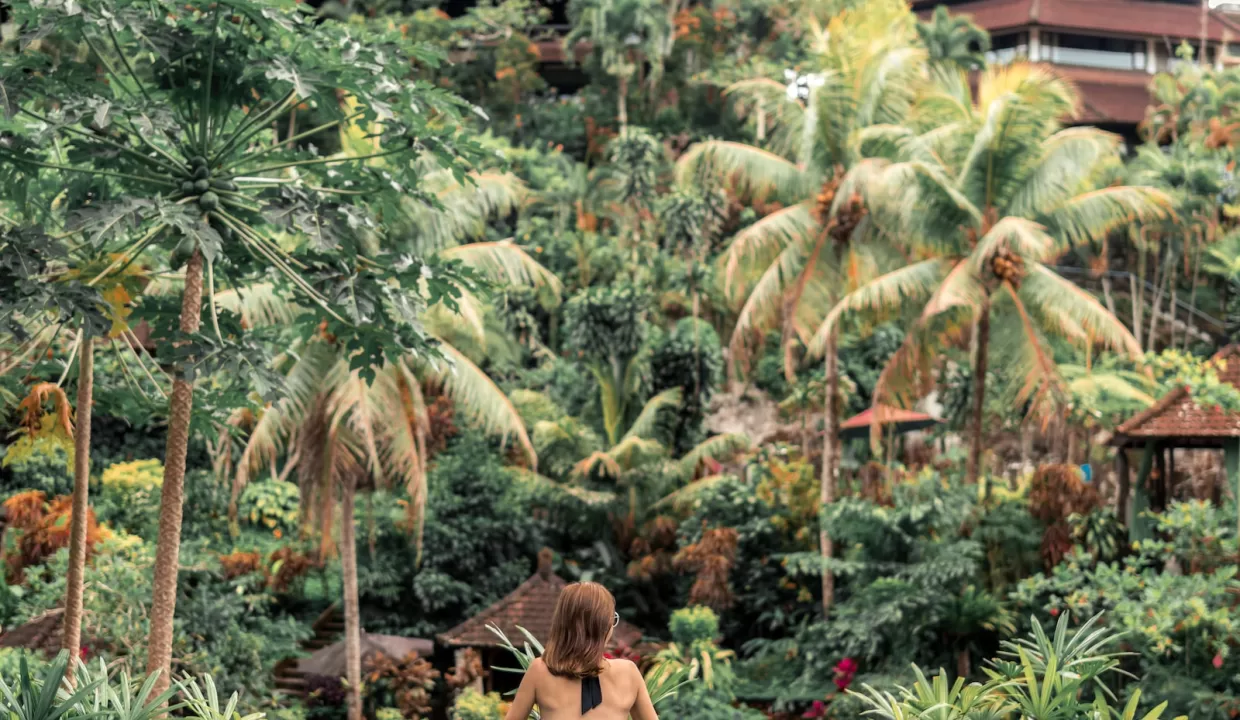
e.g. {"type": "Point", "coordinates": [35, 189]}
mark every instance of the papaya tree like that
{"type": "Point", "coordinates": [213, 127]}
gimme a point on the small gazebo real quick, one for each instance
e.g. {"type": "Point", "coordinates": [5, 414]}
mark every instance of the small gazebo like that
{"type": "Point", "coordinates": [1175, 421]}
{"type": "Point", "coordinates": [530, 606]}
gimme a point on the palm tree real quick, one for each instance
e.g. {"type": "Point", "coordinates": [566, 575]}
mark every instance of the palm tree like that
{"type": "Point", "coordinates": [954, 40]}
{"type": "Point", "coordinates": [984, 195]}
{"type": "Point", "coordinates": [795, 261]}
{"type": "Point", "coordinates": [349, 434]}
{"type": "Point", "coordinates": [628, 36]}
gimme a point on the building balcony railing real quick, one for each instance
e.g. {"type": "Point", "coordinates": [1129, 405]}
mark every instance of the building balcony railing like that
{"type": "Point", "coordinates": [1104, 59]}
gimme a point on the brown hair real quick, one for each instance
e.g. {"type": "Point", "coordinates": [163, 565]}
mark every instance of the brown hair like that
{"type": "Point", "coordinates": [580, 629]}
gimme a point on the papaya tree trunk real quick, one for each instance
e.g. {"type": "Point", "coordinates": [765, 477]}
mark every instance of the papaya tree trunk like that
{"type": "Point", "coordinates": [72, 642]}
{"type": "Point", "coordinates": [979, 390]}
{"type": "Point", "coordinates": [352, 617]}
{"type": "Point", "coordinates": [168, 552]}
{"type": "Point", "coordinates": [830, 448]}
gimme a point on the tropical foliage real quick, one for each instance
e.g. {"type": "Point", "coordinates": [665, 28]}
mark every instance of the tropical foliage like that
{"type": "Point", "coordinates": [815, 331]}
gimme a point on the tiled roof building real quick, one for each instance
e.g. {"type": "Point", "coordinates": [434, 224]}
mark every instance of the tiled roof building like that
{"type": "Point", "coordinates": [530, 606]}
{"type": "Point", "coordinates": [1176, 416]}
{"type": "Point", "coordinates": [1108, 48]}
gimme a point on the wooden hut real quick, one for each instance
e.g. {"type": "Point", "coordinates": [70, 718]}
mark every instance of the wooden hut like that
{"type": "Point", "coordinates": [1176, 421]}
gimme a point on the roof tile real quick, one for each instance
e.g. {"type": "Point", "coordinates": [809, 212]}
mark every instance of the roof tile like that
{"type": "Point", "coordinates": [530, 606]}
{"type": "Point", "coordinates": [1177, 415]}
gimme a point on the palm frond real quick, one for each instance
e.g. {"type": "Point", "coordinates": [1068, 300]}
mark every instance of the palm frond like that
{"type": "Point", "coordinates": [717, 448]}
{"type": "Point", "coordinates": [760, 312]}
{"type": "Point", "coordinates": [259, 305]}
{"type": "Point", "coordinates": [1060, 301]}
{"type": "Point", "coordinates": [543, 484]}
{"type": "Point", "coordinates": [759, 244]}
{"type": "Point", "coordinates": [647, 420]}
{"type": "Point", "coordinates": [506, 262]}
{"type": "Point", "coordinates": [1089, 217]}
{"type": "Point", "coordinates": [600, 463]}
{"type": "Point", "coordinates": [1020, 235]}
{"type": "Point", "coordinates": [480, 398]}
{"type": "Point", "coordinates": [303, 383]}
{"type": "Point", "coordinates": [750, 169]}
{"type": "Point", "coordinates": [462, 210]}
{"type": "Point", "coordinates": [399, 400]}
{"type": "Point", "coordinates": [632, 451]}
{"type": "Point", "coordinates": [681, 497]}
{"type": "Point", "coordinates": [925, 203]}
{"type": "Point", "coordinates": [351, 404]}
{"type": "Point", "coordinates": [1067, 159]}
{"type": "Point", "coordinates": [463, 327]}
{"type": "Point", "coordinates": [783, 119]}
{"type": "Point", "coordinates": [1040, 373]}
{"type": "Point", "coordinates": [883, 294]}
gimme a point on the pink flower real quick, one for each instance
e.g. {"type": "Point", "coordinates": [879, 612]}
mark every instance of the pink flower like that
{"type": "Point", "coordinates": [817, 710]}
{"type": "Point", "coordinates": [84, 652]}
{"type": "Point", "coordinates": [1218, 661]}
{"type": "Point", "coordinates": [844, 671]}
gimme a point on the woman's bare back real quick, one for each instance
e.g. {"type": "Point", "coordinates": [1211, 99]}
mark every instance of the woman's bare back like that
{"type": "Point", "coordinates": [559, 698]}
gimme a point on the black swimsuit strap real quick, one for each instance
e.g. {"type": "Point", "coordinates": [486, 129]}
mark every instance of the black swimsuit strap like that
{"type": "Point", "coordinates": [591, 693]}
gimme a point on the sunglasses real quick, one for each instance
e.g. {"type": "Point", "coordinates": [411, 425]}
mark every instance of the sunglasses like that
{"type": "Point", "coordinates": [615, 620]}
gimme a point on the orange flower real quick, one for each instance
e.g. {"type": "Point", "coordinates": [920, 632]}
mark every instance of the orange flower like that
{"type": "Point", "coordinates": [278, 533]}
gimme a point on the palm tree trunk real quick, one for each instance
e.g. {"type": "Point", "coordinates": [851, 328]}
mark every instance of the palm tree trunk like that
{"type": "Point", "coordinates": [72, 642]}
{"type": "Point", "coordinates": [1160, 283]}
{"type": "Point", "coordinates": [1191, 325]}
{"type": "Point", "coordinates": [830, 447]}
{"type": "Point", "coordinates": [352, 617]}
{"type": "Point", "coordinates": [168, 552]}
{"type": "Point", "coordinates": [1108, 295]}
{"type": "Point", "coordinates": [623, 103]}
{"type": "Point", "coordinates": [240, 478]}
{"type": "Point", "coordinates": [979, 389]}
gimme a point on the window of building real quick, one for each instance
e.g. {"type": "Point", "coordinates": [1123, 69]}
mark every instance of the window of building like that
{"type": "Point", "coordinates": [1007, 48]}
{"type": "Point", "coordinates": [1092, 51]}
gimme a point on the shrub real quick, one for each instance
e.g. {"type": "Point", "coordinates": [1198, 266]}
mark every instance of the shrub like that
{"type": "Point", "coordinates": [130, 497]}
{"type": "Point", "coordinates": [47, 468]}
{"type": "Point", "coordinates": [1029, 680]}
{"type": "Point", "coordinates": [271, 504]}
{"type": "Point", "coordinates": [43, 528]}
{"type": "Point", "coordinates": [10, 662]}
{"type": "Point", "coordinates": [479, 543]}
{"type": "Point", "coordinates": [1174, 600]}
{"type": "Point", "coordinates": [689, 357]}
{"type": "Point", "coordinates": [231, 628]}
{"type": "Point", "coordinates": [473, 705]}
{"type": "Point", "coordinates": [406, 684]}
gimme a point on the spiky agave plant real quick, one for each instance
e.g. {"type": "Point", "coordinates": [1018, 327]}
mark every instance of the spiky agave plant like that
{"type": "Point", "coordinates": [176, 131]}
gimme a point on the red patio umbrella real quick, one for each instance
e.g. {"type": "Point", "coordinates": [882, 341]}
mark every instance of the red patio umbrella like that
{"type": "Point", "coordinates": [894, 420]}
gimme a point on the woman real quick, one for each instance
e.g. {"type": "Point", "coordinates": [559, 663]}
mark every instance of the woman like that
{"type": "Point", "coordinates": [572, 680]}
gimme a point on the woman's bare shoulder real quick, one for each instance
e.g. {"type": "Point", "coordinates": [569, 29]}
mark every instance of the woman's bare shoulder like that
{"type": "Point", "coordinates": [537, 668]}
{"type": "Point", "coordinates": [624, 668]}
